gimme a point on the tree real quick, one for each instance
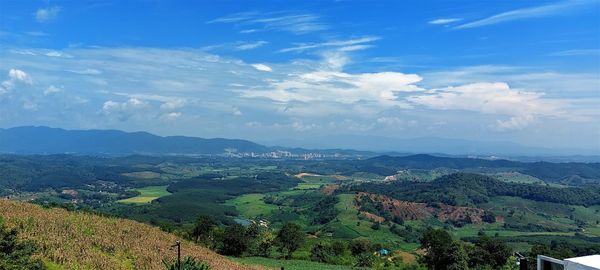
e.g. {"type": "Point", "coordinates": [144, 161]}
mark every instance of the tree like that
{"type": "Point", "coordinates": [235, 240]}
{"type": "Point", "coordinates": [489, 251]}
{"type": "Point", "coordinates": [188, 263]}
{"type": "Point", "coordinates": [322, 252]}
{"type": "Point", "coordinates": [360, 245]}
{"type": "Point", "coordinates": [16, 254]}
{"type": "Point", "coordinates": [441, 251]}
{"type": "Point", "coordinates": [202, 228]}
{"type": "Point", "coordinates": [289, 239]}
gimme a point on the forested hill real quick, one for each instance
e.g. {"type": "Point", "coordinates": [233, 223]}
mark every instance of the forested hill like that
{"type": "Point", "coordinates": [547, 171]}
{"type": "Point", "coordinates": [467, 189]}
{"type": "Point", "coordinates": [45, 140]}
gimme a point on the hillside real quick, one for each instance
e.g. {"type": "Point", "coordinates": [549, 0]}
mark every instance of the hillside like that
{"type": "Point", "coordinates": [87, 241]}
{"type": "Point", "coordinates": [45, 140]}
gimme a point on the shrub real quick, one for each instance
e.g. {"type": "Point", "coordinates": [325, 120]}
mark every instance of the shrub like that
{"type": "Point", "coordinates": [188, 263]}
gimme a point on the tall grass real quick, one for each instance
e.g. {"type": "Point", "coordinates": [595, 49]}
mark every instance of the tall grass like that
{"type": "Point", "coordinates": [75, 240]}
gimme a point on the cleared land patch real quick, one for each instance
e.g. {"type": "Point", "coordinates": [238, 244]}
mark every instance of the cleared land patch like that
{"type": "Point", "coordinates": [147, 194]}
{"type": "Point", "coordinates": [251, 205]}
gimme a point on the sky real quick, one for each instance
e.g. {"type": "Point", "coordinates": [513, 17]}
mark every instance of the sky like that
{"type": "Point", "coordinates": [526, 72]}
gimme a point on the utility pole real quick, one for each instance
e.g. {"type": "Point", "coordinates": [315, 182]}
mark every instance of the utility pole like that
{"type": "Point", "coordinates": [178, 245]}
{"type": "Point", "coordinates": [522, 261]}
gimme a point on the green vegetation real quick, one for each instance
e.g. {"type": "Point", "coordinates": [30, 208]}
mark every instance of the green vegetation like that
{"type": "Point", "coordinates": [251, 205]}
{"type": "Point", "coordinates": [187, 263]}
{"type": "Point", "coordinates": [16, 254]}
{"type": "Point", "coordinates": [147, 194]}
{"type": "Point", "coordinates": [291, 264]}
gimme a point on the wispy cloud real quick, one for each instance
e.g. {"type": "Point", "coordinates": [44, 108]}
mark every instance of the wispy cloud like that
{"type": "Point", "coordinates": [276, 21]}
{"type": "Point", "coordinates": [238, 45]}
{"type": "Point", "coordinates": [251, 45]}
{"type": "Point", "coordinates": [525, 13]}
{"type": "Point", "coordinates": [47, 14]}
{"type": "Point", "coordinates": [578, 52]}
{"type": "Point", "coordinates": [344, 45]}
{"type": "Point", "coordinates": [444, 21]}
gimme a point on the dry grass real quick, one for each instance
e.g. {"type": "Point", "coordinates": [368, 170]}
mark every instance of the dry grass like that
{"type": "Point", "coordinates": [86, 241]}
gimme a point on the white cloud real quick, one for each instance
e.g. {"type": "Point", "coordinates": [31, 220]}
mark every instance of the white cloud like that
{"type": "Point", "coordinates": [52, 89]}
{"type": "Point", "coordinates": [340, 87]}
{"type": "Point", "coordinates": [492, 98]}
{"type": "Point", "coordinates": [19, 75]}
{"type": "Point", "coordinates": [262, 67]}
{"type": "Point", "coordinates": [123, 110]}
{"type": "Point", "coordinates": [299, 126]}
{"type": "Point", "coordinates": [525, 13]}
{"type": "Point", "coordinates": [515, 122]}
{"type": "Point", "coordinates": [171, 116]}
{"type": "Point", "coordinates": [173, 104]}
{"type": "Point", "coordinates": [47, 14]}
{"type": "Point", "coordinates": [444, 21]}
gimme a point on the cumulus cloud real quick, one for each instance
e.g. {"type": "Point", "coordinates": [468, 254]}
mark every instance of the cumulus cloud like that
{"type": "Point", "coordinates": [19, 75]}
{"type": "Point", "coordinates": [123, 110]}
{"type": "Point", "coordinates": [491, 98]}
{"type": "Point", "coordinates": [328, 84]}
{"type": "Point", "coordinates": [15, 77]}
{"type": "Point", "coordinates": [47, 14]}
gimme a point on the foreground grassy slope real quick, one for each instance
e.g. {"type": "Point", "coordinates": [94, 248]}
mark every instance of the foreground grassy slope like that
{"type": "Point", "coordinates": [87, 241]}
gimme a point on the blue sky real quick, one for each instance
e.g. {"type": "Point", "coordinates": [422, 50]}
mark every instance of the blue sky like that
{"type": "Point", "coordinates": [520, 71]}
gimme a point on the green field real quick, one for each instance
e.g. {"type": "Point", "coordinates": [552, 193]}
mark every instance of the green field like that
{"type": "Point", "coordinates": [289, 264]}
{"type": "Point", "coordinates": [147, 195]}
{"type": "Point", "coordinates": [251, 205]}
{"type": "Point", "coordinates": [308, 186]}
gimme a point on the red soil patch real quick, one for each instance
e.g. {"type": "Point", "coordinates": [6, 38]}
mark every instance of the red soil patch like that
{"type": "Point", "coordinates": [373, 217]}
{"type": "Point", "coordinates": [329, 189]}
{"type": "Point", "coordinates": [417, 211]}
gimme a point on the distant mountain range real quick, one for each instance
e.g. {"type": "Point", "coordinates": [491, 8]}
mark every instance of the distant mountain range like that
{"type": "Point", "coordinates": [431, 145]}
{"type": "Point", "coordinates": [46, 140]}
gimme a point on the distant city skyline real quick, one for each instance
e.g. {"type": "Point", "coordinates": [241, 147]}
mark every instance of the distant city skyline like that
{"type": "Point", "coordinates": [526, 72]}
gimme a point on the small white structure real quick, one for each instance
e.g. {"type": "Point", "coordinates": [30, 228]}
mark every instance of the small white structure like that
{"type": "Point", "coordinates": [583, 263]}
{"type": "Point", "coordinates": [578, 263]}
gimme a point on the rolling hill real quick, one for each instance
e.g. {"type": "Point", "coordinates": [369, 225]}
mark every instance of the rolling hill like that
{"type": "Point", "coordinates": [73, 240]}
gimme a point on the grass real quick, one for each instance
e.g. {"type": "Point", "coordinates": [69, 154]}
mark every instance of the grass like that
{"type": "Point", "coordinates": [78, 240]}
{"type": "Point", "coordinates": [147, 195]}
{"type": "Point", "coordinates": [289, 264]}
{"type": "Point", "coordinates": [251, 205]}
{"type": "Point", "coordinates": [303, 186]}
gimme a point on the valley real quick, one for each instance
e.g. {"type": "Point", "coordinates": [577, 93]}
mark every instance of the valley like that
{"type": "Point", "coordinates": [391, 201]}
